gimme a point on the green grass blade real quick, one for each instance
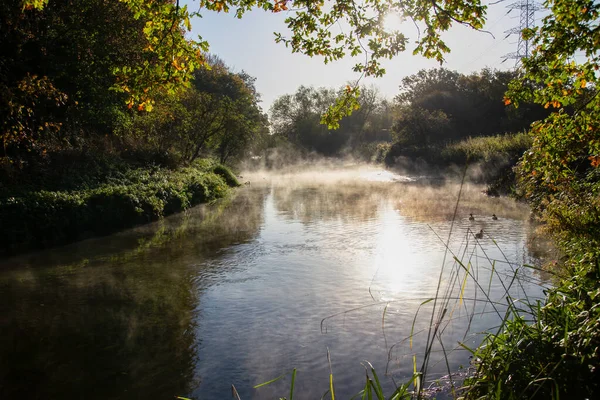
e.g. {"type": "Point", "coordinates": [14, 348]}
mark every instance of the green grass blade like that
{"type": "Point", "coordinates": [464, 346]}
{"type": "Point", "coordinates": [376, 384]}
{"type": "Point", "coordinates": [412, 328]}
{"type": "Point", "coordinates": [402, 391]}
{"type": "Point", "coordinates": [293, 383]}
{"type": "Point", "coordinates": [330, 376]}
{"type": "Point", "coordinates": [331, 386]}
{"type": "Point", "coordinates": [269, 382]}
{"type": "Point", "coordinates": [366, 389]}
{"type": "Point", "coordinates": [464, 285]}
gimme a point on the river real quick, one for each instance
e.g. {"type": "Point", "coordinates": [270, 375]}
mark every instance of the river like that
{"type": "Point", "coordinates": [288, 269]}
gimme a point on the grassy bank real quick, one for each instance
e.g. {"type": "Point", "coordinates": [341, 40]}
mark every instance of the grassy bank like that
{"type": "Point", "coordinates": [495, 156]}
{"type": "Point", "coordinates": [548, 349]}
{"type": "Point", "coordinates": [551, 352]}
{"type": "Point", "coordinates": [100, 201]}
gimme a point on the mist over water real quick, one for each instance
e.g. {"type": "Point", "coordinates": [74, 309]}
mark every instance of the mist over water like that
{"type": "Point", "coordinates": [292, 265]}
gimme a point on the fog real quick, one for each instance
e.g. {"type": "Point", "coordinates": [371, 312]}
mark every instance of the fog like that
{"type": "Point", "coordinates": [359, 187]}
{"type": "Point", "coordinates": [295, 263]}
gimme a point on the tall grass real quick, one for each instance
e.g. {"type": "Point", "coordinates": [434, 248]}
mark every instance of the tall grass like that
{"type": "Point", "coordinates": [486, 148]}
{"type": "Point", "coordinates": [471, 271]}
{"type": "Point", "coordinates": [493, 158]}
{"type": "Point", "coordinates": [541, 347]}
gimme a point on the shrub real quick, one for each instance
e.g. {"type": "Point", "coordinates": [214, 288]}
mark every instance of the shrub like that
{"type": "Point", "coordinates": [226, 174]}
{"type": "Point", "coordinates": [44, 218]}
{"type": "Point", "coordinates": [554, 357]}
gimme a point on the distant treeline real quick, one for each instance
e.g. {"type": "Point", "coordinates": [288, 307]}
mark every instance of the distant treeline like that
{"type": "Point", "coordinates": [434, 109]}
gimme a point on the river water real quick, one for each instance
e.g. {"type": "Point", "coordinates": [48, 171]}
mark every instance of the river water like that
{"type": "Point", "coordinates": [290, 268]}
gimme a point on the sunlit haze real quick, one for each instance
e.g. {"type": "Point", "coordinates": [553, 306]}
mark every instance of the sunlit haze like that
{"type": "Point", "coordinates": [248, 44]}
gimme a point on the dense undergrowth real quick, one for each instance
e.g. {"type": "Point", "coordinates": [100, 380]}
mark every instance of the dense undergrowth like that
{"type": "Point", "coordinates": [494, 156]}
{"type": "Point", "coordinates": [553, 350]}
{"type": "Point", "coordinates": [553, 355]}
{"type": "Point", "coordinates": [100, 198]}
{"type": "Point", "coordinates": [486, 149]}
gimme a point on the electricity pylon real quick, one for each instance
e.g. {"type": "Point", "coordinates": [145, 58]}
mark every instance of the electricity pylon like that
{"type": "Point", "coordinates": [526, 20]}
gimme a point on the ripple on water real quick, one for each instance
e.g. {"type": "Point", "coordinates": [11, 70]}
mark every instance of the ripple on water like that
{"type": "Point", "coordinates": [246, 289]}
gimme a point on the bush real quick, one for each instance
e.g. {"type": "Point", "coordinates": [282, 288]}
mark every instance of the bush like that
{"type": "Point", "coordinates": [227, 175]}
{"type": "Point", "coordinates": [44, 218]}
{"type": "Point", "coordinates": [556, 356]}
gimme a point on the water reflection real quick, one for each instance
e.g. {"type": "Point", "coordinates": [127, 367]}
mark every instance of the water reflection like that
{"type": "Point", "coordinates": [115, 317]}
{"type": "Point", "coordinates": [245, 289]}
{"type": "Point", "coordinates": [361, 200]}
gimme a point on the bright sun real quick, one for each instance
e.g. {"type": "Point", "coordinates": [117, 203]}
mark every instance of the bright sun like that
{"type": "Point", "coordinates": [392, 22]}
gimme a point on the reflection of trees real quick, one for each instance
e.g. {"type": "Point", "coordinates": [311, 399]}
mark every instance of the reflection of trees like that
{"type": "Point", "coordinates": [97, 333]}
{"type": "Point", "coordinates": [326, 202]}
{"type": "Point", "coordinates": [118, 325]}
{"type": "Point", "coordinates": [361, 200]}
{"type": "Point", "coordinates": [435, 203]}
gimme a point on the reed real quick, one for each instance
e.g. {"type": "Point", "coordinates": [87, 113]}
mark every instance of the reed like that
{"type": "Point", "coordinates": [541, 348]}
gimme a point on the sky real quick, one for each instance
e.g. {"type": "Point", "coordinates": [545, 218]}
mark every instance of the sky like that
{"type": "Point", "coordinates": [249, 44]}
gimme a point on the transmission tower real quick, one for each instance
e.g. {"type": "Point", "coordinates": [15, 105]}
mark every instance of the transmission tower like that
{"type": "Point", "coordinates": [527, 9]}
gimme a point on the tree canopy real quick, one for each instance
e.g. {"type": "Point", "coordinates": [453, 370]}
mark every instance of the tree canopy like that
{"type": "Point", "coordinates": [560, 173]}
{"type": "Point", "coordinates": [440, 106]}
{"type": "Point", "coordinates": [296, 118]}
{"type": "Point", "coordinates": [166, 58]}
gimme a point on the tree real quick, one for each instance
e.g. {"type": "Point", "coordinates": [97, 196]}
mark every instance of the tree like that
{"type": "Point", "coordinates": [421, 127]}
{"type": "Point", "coordinates": [221, 113]}
{"type": "Point", "coordinates": [247, 124]}
{"type": "Point", "coordinates": [454, 106]}
{"type": "Point", "coordinates": [169, 59]}
{"type": "Point", "coordinates": [560, 173]}
{"type": "Point", "coordinates": [218, 115]}
{"type": "Point", "coordinates": [75, 65]}
{"type": "Point", "coordinates": [557, 355]}
{"type": "Point", "coordinates": [297, 118]}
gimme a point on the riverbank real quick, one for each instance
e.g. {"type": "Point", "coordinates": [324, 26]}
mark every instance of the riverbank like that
{"type": "Point", "coordinates": [491, 159]}
{"type": "Point", "coordinates": [548, 349]}
{"type": "Point", "coordinates": [86, 202]}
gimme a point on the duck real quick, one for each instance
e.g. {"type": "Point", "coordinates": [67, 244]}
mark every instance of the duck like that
{"type": "Point", "coordinates": [479, 235]}
{"type": "Point", "coordinates": [471, 217]}
{"type": "Point", "coordinates": [494, 217]}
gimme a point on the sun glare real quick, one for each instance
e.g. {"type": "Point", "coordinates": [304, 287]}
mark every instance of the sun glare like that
{"type": "Point", "coordinates": [394, 256]}
{"type": "Point", "coordinates": [392, 22]}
